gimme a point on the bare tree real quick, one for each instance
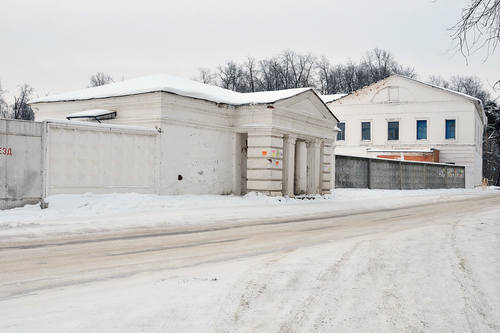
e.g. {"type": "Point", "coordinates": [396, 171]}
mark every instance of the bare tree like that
{"type": "Point", "coordinates": [469, 85]}
{"type": "Point", "coordinates": [251, 74]}
{"type": "Point", "coordinates": [478, 27]}
{"type": "Point", "coordinates": [4, 107]}
{"type": "Point", "coordinates": [21, 108]}
{"type": "Point", "coordinates": [206, 76]}
{"type": "Point", "coordinates": [231, 76]}
{"type": "Point", "coordinates": [100, 79]}
{"type": "Point", "coordinates": [439, 81]}
{"type": "Point", "coordinates": [381, 64]}
{"type": "Point", "coordinates": [491, 144]}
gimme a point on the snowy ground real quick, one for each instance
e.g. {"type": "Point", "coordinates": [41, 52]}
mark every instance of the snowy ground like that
{"type": "Point", "coordinates": [420, 269]}
{"type": "Point", "coordinates": [84, 214]}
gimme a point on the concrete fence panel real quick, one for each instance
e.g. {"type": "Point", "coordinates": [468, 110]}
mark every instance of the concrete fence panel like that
{"type": "Point", "coordinates": [436, 176]}
{"type": "Point", "coordinates": [374, 173]}
{"type": "Point", "coordinates": [413, 176]}
{"type": "Point", "coordinates": [101, 159]}
{"type": "Point", "coordinates": [20, 163]}
{"type": "Point", "coordinates": [384, 174]}
{"type": "Point", "coordinates": [351, 172]}
{"type": "Point", "coordinates": [455, 177]}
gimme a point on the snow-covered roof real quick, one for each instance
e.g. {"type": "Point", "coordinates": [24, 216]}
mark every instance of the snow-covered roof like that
{"type": "Point", "coordinates": [330, 98]}
{"type": "Point", "coordinates": [89, 113]}
{"type": "Point", "coordinates": [175, 85]}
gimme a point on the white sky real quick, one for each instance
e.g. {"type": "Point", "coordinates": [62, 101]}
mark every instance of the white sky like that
{"type": "Point", "coordinates": [55, 46]}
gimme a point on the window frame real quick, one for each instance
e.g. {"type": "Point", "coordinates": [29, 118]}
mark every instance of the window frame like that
{"type": "Point", "coordinates": [399, 127]}
{"type": "Point", "coordinates": [370, 130]}
{"type": "Point", "coordinates": [446, 129]}
{"type": "Point", "coordinates": [341, 132]}
{"type": "Point", "coordinates": [426, 129]}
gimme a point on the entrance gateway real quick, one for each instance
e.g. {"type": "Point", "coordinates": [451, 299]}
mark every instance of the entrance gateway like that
{"type": "Point", "coordinates": [285, 165]}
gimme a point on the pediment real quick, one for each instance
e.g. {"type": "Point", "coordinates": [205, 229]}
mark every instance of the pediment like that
{"type": "Point", "coordinates": [307, 104]}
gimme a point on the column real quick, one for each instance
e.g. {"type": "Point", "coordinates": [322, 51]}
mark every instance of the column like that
{"type": "Point", "coordinates": [300, 177]}
{"type": "Point", "coordinates": [289, 165]}
{"type": "Point", "coordinates": [327, 167]}
{"type": "Point", "coordinates": [313, 166]}
{"type": "Point", "coordinates": [265, 162]}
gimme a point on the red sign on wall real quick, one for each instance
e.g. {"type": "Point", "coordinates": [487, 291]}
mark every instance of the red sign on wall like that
{"type": "Point", "coordinates": [5, 151]}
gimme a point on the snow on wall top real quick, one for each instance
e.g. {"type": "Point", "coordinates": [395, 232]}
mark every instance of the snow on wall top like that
{"type": "Point", "coordinates": [172, 84]}
{"type": "Point", "coordinates": [330, 98]}
{"type": "Point", "coordinates": [89, 113]}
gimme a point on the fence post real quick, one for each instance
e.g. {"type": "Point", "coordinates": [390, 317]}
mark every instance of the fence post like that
{"type": "Point", "coordinates": [368, 181]}
{"type": "Point", "coordinates": [400, 175]}
{"type": "Point", "coordinates": [426, 185]}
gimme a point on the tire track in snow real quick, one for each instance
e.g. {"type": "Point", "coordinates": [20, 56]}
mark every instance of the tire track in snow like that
{"type": "Point", "coordinates": [476, 307]}
{"type": "Point", "coordinates": [237, 305]}
{"type": "Point", "coordinates": [324, 278]}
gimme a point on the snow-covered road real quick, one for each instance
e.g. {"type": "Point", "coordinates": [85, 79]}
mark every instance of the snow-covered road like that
{"type": "Point", "coordinates": [425, 268]}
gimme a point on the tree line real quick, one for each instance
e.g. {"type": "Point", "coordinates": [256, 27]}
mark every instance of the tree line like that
{"type": "Point", "coordinates": [290, 69]}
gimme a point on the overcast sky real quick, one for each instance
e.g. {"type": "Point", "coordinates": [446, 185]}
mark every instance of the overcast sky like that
{"type": "Point", "coordinates": [55, 46]}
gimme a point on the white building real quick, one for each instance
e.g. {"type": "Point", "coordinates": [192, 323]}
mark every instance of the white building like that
{"type": "Point", "coordinates": [399, 117]}
{"type": "Point", "coordinates": [211, 140]}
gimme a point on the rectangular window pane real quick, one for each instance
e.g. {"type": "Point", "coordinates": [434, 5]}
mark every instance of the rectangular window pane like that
{"type": "Point", "coordinates": [450, 128]}
{"type": "Point", "coordinates": [341, 133]}
{"type": "Point", "coordinates": [421, 129]}
{"type": "Point", "coordinates": [366, 131]}
{"type": "Point", "coordinates": [393, 130]}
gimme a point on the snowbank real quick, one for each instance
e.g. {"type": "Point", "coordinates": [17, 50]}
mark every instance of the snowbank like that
{"type": "Point", "coordinates": [102, 212]}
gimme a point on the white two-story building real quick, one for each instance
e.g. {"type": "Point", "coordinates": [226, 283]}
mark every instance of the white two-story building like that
{"type": "Point", "coordinates": [403, 118]}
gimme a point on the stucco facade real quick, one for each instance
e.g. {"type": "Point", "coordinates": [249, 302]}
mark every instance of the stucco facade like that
{"type": "Point", "coordinates": [219, 148]}
{"type": "Point", "coordinates": [405, 101]}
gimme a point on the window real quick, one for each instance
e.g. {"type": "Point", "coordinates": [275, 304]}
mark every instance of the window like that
{"type": "Point", "coordinates": [421, 129]}
{"type": "Point", "coordinates": [393, 130]}
{"type": "Point", "coordinates": [450, 129]}
{"type": "Point", "coordinates": [366, 130]}
{"type": "Point", "coordinates": [393, 94]}
{"type": "Point", "coordinates": [341, 133]}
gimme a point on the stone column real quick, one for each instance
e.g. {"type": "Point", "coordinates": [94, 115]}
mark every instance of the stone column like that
{"type": "Point", "coordinates": [289, 165]}
{"type": "Point", "coordinates": [265, 163]}
{"type": "Point", "coordinates": [300, 177]}
{"type": "Point", "coordinates": [313, 166]}
{"type": "Point", "coordinates": [327, 167]}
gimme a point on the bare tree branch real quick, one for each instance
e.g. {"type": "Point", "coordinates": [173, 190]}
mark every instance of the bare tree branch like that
{"type": "Point", "coordinates": [478, 27]}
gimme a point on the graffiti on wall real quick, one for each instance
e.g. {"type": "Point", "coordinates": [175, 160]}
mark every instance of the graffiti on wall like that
{"type": "Point", "coordinates": [6, 151]}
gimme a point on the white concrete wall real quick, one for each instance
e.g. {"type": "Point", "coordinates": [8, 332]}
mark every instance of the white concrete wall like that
{"type": "Point", "coordinates": [416, 102]}
{"type": "Point", "coordinates": [202, 157]}
{"type": "Point", "coordinates": [100, 159]}
{"type": "Point", "coordinates": [198, 145]}
{"type": "Point", "coordinates": [20, 163]}
{"type": "Point", "coordinates": [138, 110]}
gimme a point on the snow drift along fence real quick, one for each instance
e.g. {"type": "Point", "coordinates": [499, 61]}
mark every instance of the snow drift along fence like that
{"type": "Point", "coordinates": [375, 173]}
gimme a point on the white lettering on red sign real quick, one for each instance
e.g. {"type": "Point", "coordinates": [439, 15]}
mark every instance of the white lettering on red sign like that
{"type": "Point", "coordinates": [5, 151]}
